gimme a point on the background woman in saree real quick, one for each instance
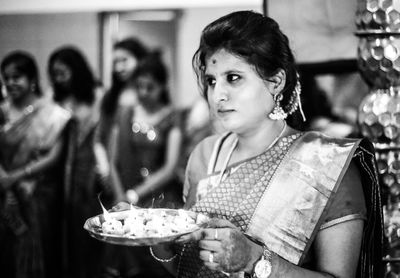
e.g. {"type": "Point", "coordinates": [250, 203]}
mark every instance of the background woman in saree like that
{"type": "Point", "coordinates": [145, 159]}
{"type": "Point", "coordinates": [75, 88]}
{"type": "Point", "coordinates": [31, 179]}
{"type": "Point", "coordinates": [127, 53]}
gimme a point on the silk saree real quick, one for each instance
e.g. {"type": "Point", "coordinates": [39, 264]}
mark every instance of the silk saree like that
{"type": "Point", "coordinates": [282, 196]}
{"type": "Point", "coordinates": [30, 223]}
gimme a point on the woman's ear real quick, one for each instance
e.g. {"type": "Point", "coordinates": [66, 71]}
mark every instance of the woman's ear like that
{"type": "Point", "coordinates": [277, 82]}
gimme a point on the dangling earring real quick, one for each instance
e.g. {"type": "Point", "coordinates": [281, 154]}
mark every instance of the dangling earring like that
{"type": "Point", "coordinates": [278, 113]}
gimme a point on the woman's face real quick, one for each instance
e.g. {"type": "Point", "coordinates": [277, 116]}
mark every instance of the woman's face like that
{"type": "Point", "coordinates": [238, 97]}
{"type": "Point", "coordinates": [61, 74]}
{"type": "Point", "coordinates": [17, 84]}
{"type": "Point", "coordinates": [124, 63]}
{"type": "Point", "coordinates": [148, 89]}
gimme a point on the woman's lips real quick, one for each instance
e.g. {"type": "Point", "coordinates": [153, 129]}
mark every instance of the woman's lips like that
{"type": "Point", "coordinates": [224, 111]}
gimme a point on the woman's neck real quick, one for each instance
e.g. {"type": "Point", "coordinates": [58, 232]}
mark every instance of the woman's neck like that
{"type": "Point", "coordinates": [22, 103]}
{"type": "Point", "coordinates": [141, 114]}
{"type": "Point", "coordinates": [153, 107]}
{"type": "Point", "coordinates": [258, 141]}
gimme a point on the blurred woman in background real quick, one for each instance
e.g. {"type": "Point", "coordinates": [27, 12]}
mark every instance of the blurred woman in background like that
{"type": "Point", "coordinates": [31, 171]}
{"type": "Point", "coordinates": [76, 89]}
{"type": "Point", "coordinates": [127, 54]}
{"type": "Point", "coordinates": [147, 144]}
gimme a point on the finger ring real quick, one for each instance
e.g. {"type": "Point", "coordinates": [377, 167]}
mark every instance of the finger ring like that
{"type": "Point", "coordinates": [211, 257]}
{"type": "Point", "coordinates": [216, 234]}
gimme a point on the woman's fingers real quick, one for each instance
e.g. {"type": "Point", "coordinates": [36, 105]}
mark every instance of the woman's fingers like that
{"type": "Point", "coordinates": [220, 223]}
{"type": "Point", "coordinates": [203, 233]}
{"type": "Point", "coordinates": [194, 236]}
{"type": "Point", "coordinates": [211, 260]}
{"type": "Point", "coordinates": [209, 257]}
{"type": "Point", "coordinates": [120, 206]}
{"type": "Point", "coordinates": [213, 234]}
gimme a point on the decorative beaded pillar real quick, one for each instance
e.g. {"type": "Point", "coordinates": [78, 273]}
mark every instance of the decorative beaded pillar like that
{"type": "Point", "coordinates": [378, 29]}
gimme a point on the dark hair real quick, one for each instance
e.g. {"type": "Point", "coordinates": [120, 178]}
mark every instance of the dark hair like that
{"type": "Point", "coordinates": [139, 51]}
{"type": "Point", "coordinates": [83, 82]}
{"type": "Point", "coordinates": [25, 64]}
{"type": "Point", "coordinates": [153, 65]}
{"type": "Point", "coordinates": [133, 46]}
{"type": "Point", "coordinates": [255, 38]}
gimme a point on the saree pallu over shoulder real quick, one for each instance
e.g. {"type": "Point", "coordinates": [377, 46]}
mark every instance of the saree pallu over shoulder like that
{"type": "Point", "coordinates": [36, 131]}
{"type": "Point", "coordinates": [304, 185]}
{"type": "Point", "coordinates": [57, 119]}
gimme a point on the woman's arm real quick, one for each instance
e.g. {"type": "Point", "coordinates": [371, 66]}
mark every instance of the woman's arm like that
{"type": "Point", "coordinates": [167, 257]}
{"type": "Point", "coordinates": [161, 177]}
{"type": "Point", "coordinates": [337, 251]}
{"type": "Point", "coordinates": [116, 184]}
{"type": "Point", "coordinates": [34, 167]}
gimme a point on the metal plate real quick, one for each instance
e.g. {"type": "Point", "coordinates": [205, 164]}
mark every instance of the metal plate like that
{"type": "Point", "coordinates": [94, 226]}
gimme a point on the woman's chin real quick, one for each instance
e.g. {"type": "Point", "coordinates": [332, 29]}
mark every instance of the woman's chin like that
{"type": "Point", "coordinates": [232, 127]}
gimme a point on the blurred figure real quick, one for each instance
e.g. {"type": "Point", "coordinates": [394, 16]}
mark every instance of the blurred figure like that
{"type": "Point", "coordinates": [316, 105]}
{"type": "Point", "coordinates": [31, 171]}
{"type": "Point", "coordinates": [331, 98]}
{"type": "Point", "coordinates": [75, 88]}
{"type": "Point", "coordinates": [2, 99]}
{"type": "Point", "coordinates": [197, 125]}
{"type": "Point", "coordinates": [127, 54]}
{"type": "Point", "coordinates": [145, 159]}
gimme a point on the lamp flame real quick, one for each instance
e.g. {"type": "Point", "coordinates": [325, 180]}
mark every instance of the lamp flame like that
{"type": "Point", "coordinates": [106, 214]}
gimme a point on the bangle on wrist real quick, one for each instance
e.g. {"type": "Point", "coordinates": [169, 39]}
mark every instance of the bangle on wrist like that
{"type": "Point", "coordinates": [160, 259]}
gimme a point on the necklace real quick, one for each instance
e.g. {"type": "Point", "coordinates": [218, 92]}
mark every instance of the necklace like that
{"type": "Point", "coordinates": [233, 147]}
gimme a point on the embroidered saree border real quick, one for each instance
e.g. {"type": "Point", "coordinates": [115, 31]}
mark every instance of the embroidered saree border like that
{"type": "Point", "coordinates": [289, 212]}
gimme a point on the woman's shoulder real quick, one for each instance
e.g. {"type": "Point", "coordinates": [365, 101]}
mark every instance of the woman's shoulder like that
{"type": "Point", "coordinates": [315, 139]}
{"type": "Point", "coordinates": [51, 110]}
{"type": "Point", "coordinates": [207, 145]}
{"type": "Point", "coordinates": [318, 135]}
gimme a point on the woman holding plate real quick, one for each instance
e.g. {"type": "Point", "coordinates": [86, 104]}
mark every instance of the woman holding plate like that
{"type": "Point", "coordinates": [283, 203]}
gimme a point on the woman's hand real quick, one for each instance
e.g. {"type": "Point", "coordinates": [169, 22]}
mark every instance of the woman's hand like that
{"type": "Point", "coordinates": [223, 247]}
{"type": "Point", "coordinates": [120, 207]}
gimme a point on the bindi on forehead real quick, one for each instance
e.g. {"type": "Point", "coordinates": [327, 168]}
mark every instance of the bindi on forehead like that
{"type": "Point", "coordinates": [214, 61]}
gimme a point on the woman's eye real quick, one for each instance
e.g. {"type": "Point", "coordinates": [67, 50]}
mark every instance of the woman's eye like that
{"type": "Point", "coordinates": [210, 81]}
{"type": "Point", "coordinates": [233, 77]}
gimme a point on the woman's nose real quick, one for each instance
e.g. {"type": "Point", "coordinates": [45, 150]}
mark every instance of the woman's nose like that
{"type": "Point", "coordinates": [118, 67]}
{"type": "Point", "coordinates": [220, 92]}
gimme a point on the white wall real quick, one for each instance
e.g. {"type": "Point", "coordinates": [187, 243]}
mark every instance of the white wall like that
{"type": "Point", "coordinates": [40, 34]}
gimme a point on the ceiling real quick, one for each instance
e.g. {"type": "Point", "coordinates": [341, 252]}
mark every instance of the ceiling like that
{"type": "Point", "coordinates": [54, 6]}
